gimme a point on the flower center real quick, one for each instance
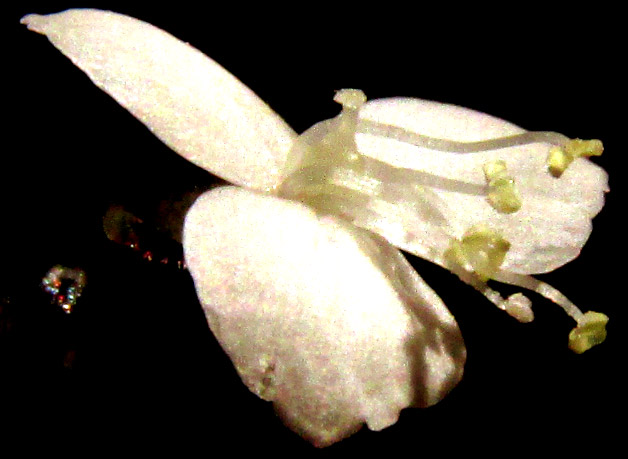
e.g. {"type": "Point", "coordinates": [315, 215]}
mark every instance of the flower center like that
{"type": "Point", "coordinates": [327, 172]}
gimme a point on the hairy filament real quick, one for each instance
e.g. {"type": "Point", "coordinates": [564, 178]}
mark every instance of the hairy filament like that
{"type": "Point", "coordinates": [402, 135]}
{"type": "Point", "coordinates": [516, 305]}
{"type": "Point", "coordinates": [543, 289]}
{"type": "Point", "coordinates": [385, 172]}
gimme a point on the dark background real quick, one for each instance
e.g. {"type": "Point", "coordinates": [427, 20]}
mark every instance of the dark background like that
{"type": "Point", "coordinates": [135, 365]}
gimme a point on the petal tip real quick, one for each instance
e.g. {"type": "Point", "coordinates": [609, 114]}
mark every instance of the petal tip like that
{"type": "Point", "coordinates": [35, 22]}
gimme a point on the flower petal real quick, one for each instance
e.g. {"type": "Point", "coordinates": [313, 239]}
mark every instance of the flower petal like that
{"type": "Point", "coordinates": [554, 221]}
{"type": "Point", "coordinates": [186, 99]}
{"type": "Point", "coordinates": [332, 325]}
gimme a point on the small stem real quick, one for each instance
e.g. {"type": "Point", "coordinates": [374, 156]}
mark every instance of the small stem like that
{"type": "Point", "coordinates": [402, 135]}
{"type": "Point", "coordinates": [543, 289]}
{"type": "Point", "coordinates": [387, 173]}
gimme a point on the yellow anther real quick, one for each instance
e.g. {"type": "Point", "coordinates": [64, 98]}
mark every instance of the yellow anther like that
{"type": "Point", "coordinates": [454, 255]}
{"type": "Point", "coordinates": [502, 194]}
{"type": "Point", "coordinates": [558, 161]}
{"type": "Point", "coordinates": [494, 169]}
{"type": "Point", "coordinates": [579, 147]}
{"type": "Point", "coordinates": [591, 331]}
{"type": "Point", "coordinates": [559, 158]}
{"type": "Point", "coordinates": [483, 249]}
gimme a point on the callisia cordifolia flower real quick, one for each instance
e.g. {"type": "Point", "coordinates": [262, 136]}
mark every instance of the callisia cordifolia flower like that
{"type": "Point", "coordinates": [297, 268]}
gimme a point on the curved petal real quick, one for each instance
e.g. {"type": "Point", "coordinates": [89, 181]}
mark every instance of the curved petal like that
{"type": "Point", "coordinates": [331, 325]}
{"type": "Point", "coordinates": [554, 221]}
{"type": "Point", "coordinates": [186, 99]}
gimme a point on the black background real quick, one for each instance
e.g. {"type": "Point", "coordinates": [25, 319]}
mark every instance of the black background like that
{"type": "Point", "coordinates": [142, 371]}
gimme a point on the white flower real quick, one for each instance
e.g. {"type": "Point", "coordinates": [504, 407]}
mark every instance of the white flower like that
{"type": "Point", "coordinates": [294, 267]}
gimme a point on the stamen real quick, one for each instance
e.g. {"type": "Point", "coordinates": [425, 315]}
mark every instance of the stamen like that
{"type": "Point", "coordinates": [516, 305]}
{"type": "Point", "coordinates": [591, 326]}
{"type": "Point", "coordinates": [329, 174]}
{"type": "Point", "coordinates": [543, 289]}
{"type": "Point", "coordinates": [563, 153]}
{"type": "Point", "coordinates": [560, 157]}
{"type": "Point", "coordinates": [502, 194]}
{"type": "Point", "coordinates": [452, 146]}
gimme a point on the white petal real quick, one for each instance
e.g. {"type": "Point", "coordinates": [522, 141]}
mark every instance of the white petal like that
{"type": "Point", "coordinates": [554, 221]}
{"type": "Point", "coordinates": [331, 325]}
{"type": "Point", "coordinates": [186, 99]}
